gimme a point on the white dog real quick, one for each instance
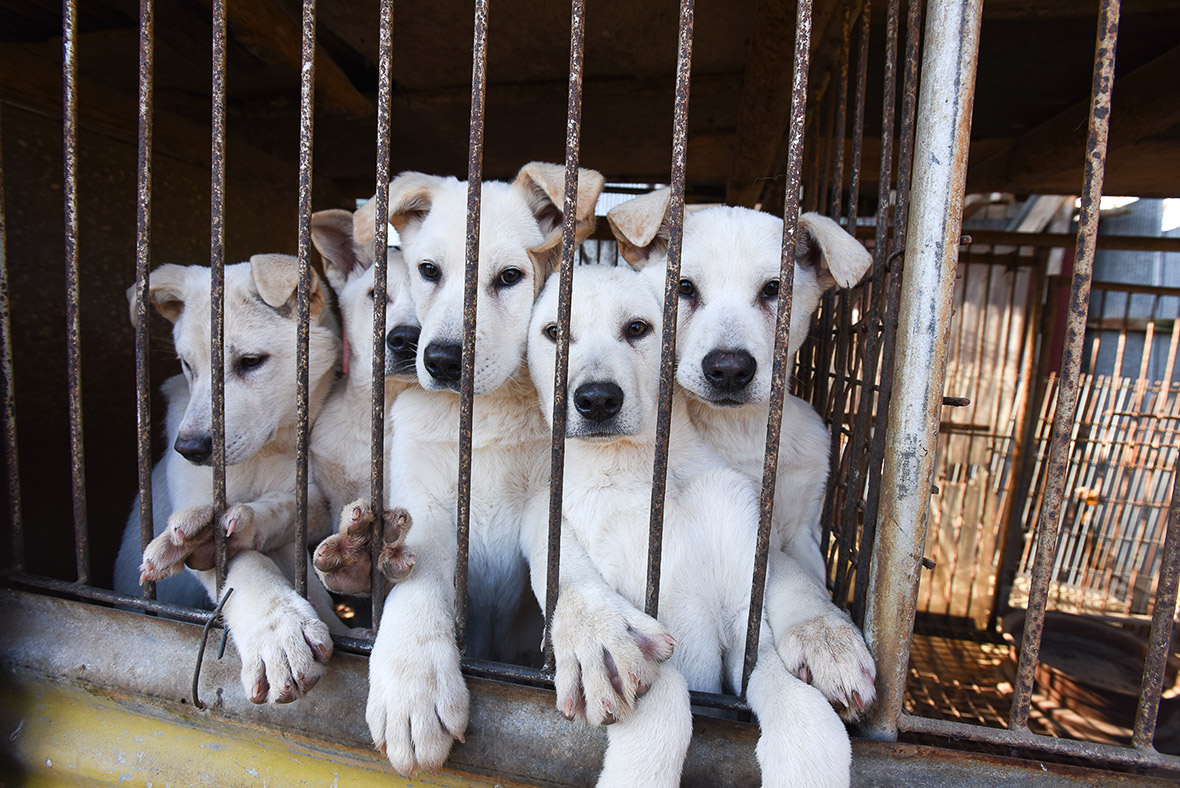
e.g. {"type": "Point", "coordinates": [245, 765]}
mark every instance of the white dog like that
{"type": "Point", "coordinates": [282, 642]}
{"type": "Point", "coordinates": [724, 346]}
{"type": "Point", "coordinates": [710, 529]}
{"type": "Point", "coordinates": [340, 443]}
{"type": "Point", "coordinates": [417, 696]}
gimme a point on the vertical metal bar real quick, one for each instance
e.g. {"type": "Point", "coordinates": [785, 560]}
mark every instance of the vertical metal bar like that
{"type": "Point", "coordinates": [73, 318]}
{"type": "Point", "coordinates": [932, 246]}
{"type": "Point", "coordinates": [303, 299]}
{"type": "Point", "coordinates": [782, 331]}
{"type": "Point", "coordinates": [217, 282]}
{"type": "Point", "coordinates": [479, 52]}
{"type": "Point", "coordinates": [143, 251]}
{"type": "Point", "coordinates": [380, 284]}
{"type": "Point", "coordinates": [1067, 393]}
{"type": "Point", "coordinates": [8, 393]}
{"type": "Point", "coordinates": [573, 131]}
{"type": "Point", "coordinates": [840, 127]}
{"type": "Point", "coordinates": [655, 533]}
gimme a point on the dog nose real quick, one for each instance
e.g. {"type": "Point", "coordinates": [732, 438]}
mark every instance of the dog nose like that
{"type": "Point", "coordinates": [196, 449]}
{"type": "Point", "coordinates": [403, 342]}
{"type": "Point", "coordinates": [443, 360]}
{"type": "Point", "coordinates": [598, 400]}
{"type": "Point", "coordinates": [729, 370]}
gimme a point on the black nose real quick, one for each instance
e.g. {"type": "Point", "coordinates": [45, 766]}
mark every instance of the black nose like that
{"type": "Point", "coordinates": [403, 342]}
{"type": "Point", "coordinates": [729, 370]}
{"type": "Point", "coordinates": [443, 360]}
{"type": "Point", "coordinates": [196, 449]}
{"type": "Point", "coordinates": [598, 400]}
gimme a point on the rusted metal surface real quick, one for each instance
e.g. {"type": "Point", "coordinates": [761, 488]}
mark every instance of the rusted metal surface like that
{"type": "Point", "coordinates": [840, 127]}
{"type": "Point", "coordinates": [303, 297]}
{"type": "Point", "coordinates": [573, 135]}
{"type": "Point", "coordinates": [73, 317]}
{"type": "Point", "coordinates": [8, 394]}
{"type": "Point", "coordinates": [143, 250]}
{"type": "Point", "coordinates": [217, 283]}
{"type": "Point", "coordinates": [479, 53]}
{"type": "Point", "coordinates": [944, 125]}
{"type": "Point", "coordinates": [380, 285]}
{"type": "Point", "coordinates": [655, 531]}
{"type": "Point", "coordinates": [1071, 362]}
{"type": "Point", "coordinates": [782, 332]}
{"type": "Point", "coordinates": [77, 591]}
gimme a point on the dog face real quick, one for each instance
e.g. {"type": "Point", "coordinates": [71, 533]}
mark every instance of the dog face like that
{"type": "Point", "coordinates": [729, 287]}
{"type": "Point", "coordinates": [346, 242]}
{"type": "Point", "coordinates": [519, 246]}
{"type": "Point", "coordinates": [614, 353]}
{"type": "Point", "coordinates": [260, 363]}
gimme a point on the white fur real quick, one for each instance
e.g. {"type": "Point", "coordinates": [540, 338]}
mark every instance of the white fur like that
{"type": "Point", "coordinates": [282, 641]}
{"type": "Point", "coordinates": [710, 527]}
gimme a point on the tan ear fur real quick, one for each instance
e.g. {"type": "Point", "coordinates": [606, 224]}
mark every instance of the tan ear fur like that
{"type": "Point", "coordinates": [836, 257]}
{"type": "Point", "coordinates": [166, 291]}
{"type": "Point", "coordinates": [641, 226]}
{"type": "Point", "coordinates": [410, 197]}
{"type": "Point", "coordinates": [276, 278]}
{"type": "Point", "coordinates": [544, 188]}
{"type": "Point", "coordinates": [332, 233]}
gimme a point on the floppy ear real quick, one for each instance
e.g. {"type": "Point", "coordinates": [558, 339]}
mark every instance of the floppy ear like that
{"type": "Point", "coordinates": [640, 226]}
{"type": "Point", "coordinates": [410, 197]}
{"type": "Point", "coordinates": [543, 185]}
{"type": "Point", "coordinates": [836, 257]}
{"type": "Point", "coordinates": [166, 289]}
{"type": "Point", "coordinates": [344, 258]}
{"type": "Point", "coordinates": [276, 277]}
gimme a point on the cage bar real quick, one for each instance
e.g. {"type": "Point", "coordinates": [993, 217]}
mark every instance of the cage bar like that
{"type": "Point", "coordinates": [217, 284]}
{"type": "Point", "coordinates": [8, 393]}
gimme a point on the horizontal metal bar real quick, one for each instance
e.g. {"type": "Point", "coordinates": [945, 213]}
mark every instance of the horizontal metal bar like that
{"type": "Point", "coordinates": [90, 593]}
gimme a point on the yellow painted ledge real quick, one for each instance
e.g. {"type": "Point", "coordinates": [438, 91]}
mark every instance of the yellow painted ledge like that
{"type": "Point", "coordinates": [55, 735]}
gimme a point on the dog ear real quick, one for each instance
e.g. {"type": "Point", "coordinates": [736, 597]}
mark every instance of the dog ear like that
{"type": "Point", "coordinates": [276, 277]}
{"type": "Point", "coordinates": [166, 287]}
{"type": "Point", "coordinates": [344, 257]}
{"type": "Point", "coordinates": [410, 197]}
{"type": "Point", "coordinates": [835, 256]}
{"type": "Point", "coordinates": [641, 227]}
{"type": "Point", "coordinates": [543, 185]}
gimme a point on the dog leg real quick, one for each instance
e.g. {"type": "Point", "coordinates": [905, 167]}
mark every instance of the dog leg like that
{"type": "Point", "coordinates": [816, 640]}
{"type": "Point", "coordinates": [343, 560]}
{"type": "Point", "coordinates": [648, 748]}
{"type": "Point", "coordinates": [803, 741]}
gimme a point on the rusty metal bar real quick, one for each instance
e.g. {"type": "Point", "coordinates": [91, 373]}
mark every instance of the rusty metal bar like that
{"type": "Point", "coordinates": [1162, 621]}
{"type": "Point", "coordinates": [479, 57]}
{"type": "Point", "coordinates": [1067, 392]}
{"type": "Point", "coordinates": [840, 126]}
{"type": "Point", "coordinates": [217, 283]}
{"type": "Point", "coordinates": [780, 377]}
{"type": "Point", "coordinates": [71, 590]}
{"type": "Point", "coordinates": [143, 251]}
{"type": "Point", "coordinates": [380, 284]}
{"type": "Point", "coordinates": [655, 532]}
{"type": "Point", "coordinates": [303, 298]}
{"type": "Point", "coordinates": [569, 226]}
{"type": "Point", "coordinates": [944, 126]}
{"type": "Point", "coordinates": [858, 114]}
{"type": "Point", "coordinates": [73, 316]}
{"type": "Point", "coordinates": [8, 393]}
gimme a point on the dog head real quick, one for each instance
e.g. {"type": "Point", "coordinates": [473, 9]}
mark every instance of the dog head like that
{"type": "Point", "coordinates": [260, 327]}
{"type": "Point", "coordinates": [519, 246]}
{"type": "Point", "coordinates": [345, 240]}
{"type": "Point", "coordinates": [729, 287]}
{"type": "Point", "coordinates": [614, 352]}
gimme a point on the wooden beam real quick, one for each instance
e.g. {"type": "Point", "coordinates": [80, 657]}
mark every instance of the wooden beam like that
{"type": "Point", "coordinates": [1146, 103]}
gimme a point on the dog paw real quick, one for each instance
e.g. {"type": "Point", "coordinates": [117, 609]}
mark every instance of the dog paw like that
{"type": "Point", "coordinates": [284, 648]}
{"type": "Point", "coordinates": [418, 701]}
{"type": "Point", "coordinates": [607, 655]}
{"type": "Point", "coordinates": [188, 540]}
{"type": "Point", "coordinates": [343, 561]}
{"type": "Point", "coordinates": [829, 653]}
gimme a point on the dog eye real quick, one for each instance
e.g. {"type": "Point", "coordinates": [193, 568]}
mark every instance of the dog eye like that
{"type": "Point", "coordinates": [187, 369]}
{"type": "Point", "coordinates": [509, 277]}
{"type": "Point", "coordinates": [429, 271]}
{"type": "Point", "coordinates": [369, 295]}
{"type": "Point", "coordinates": [637, 328]}
{"type": "Point", "coordinates": [770, 289]}
{"type": "Point", "coordinates": [251, 362]}
{"type": "Point", "coordinates": [551, 332]}
{"type": "Point", "coordinates": [687, 288]}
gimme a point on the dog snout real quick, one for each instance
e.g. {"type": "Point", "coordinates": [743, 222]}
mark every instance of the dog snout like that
{"type": "Point", "coordinates": [598, 400]}
{"type": "Point", "coordinates": [443, 360]}
{"type": "Point", "coordinates": [729, 371]}
{"type": "Point", "coordinates": [195, 448]}
{"type": "Point", "coordinates": [403, 343]}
